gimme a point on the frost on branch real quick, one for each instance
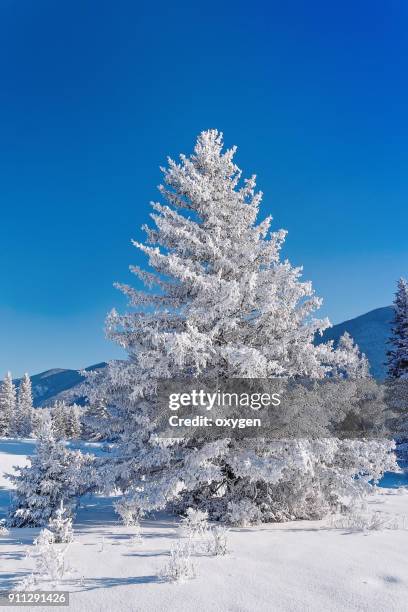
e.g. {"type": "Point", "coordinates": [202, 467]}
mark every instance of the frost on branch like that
{"type": "Point", "coordinates": [221, 303]}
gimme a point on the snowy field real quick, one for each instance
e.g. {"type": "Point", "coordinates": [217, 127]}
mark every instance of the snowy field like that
{"type": "Point", "coordinates": [301, 566]}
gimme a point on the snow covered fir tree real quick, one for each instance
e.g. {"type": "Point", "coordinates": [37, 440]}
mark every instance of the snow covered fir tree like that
{"type": "Point", "coordinates": [226, 305]}
{"type": "Point", "coordinates": [17, 416]}
{"type": "Point", "coordinates": [351, 363]}
{"type": "Point", "coordinates": [397, 361]}
{"type": "Point", "coordinates": [7, 405]}
{"type": "Point", "coordinates": [60, 525]}
{"type": "Point", "coordinates": [58, 419]}
{"type": "Point", "coordinates": [53, 476]}
{"type": "Point", "coordinates": [66, 420]}
{"type": "Point", "coordinates": [23, 415]}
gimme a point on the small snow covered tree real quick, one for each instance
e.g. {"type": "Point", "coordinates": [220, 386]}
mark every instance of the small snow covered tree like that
{"type": "Point", "coordinates": [23, 419]}
{"type": "Point", "coordinates": [58, 420]}
{"type": "Point", "coordinates": [195, 523]}
{"type": "Point", "coordinates": [3, 529]}
{"type": "Point", "coordinates": [61, 525]}
{"type": "Point", "coordinates": [7, 405]}
{"type": "Point", "coordinates": [66, 420]}
{"type": "Point", "coordinates": [225, 306]}
{"type": "Point", "coordinates": [49, 563]}
{"type": "Point", "coordinates": [127, 511]}
{"type": "Point", "coordinates": [39, 416]}
{"type": "Point", "coordinates": [180, 565]}
{"type": "Point", "coordinates": [398, 354]}
{"type": "Point", "coordinates": [350, 362]}
{"type": "Point", "coordinates": [51, 477]}
{"type": "Point", "coordinates": [217, 542]}
{"type": "Point", "coordinates": [73, 422]}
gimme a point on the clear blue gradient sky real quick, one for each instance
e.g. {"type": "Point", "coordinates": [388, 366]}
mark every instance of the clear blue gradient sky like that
{"type": "Point", "coordinates": [95, 94]}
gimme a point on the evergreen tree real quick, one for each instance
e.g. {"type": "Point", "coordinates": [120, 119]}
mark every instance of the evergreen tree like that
{"type": "Point", "coordinates": [351, 363]}
{"type": "Point", "coordinates": [61, 525]}
{"type": "Point", "coordinates": [49, 563]}
{"type": "Point", "coordinates": [66, 420]}
{"type": "Point", "coordinates": [7, 405]}
{"type": "Point", "coordinates": [58, 419]}
{"type": "Point", "coordinates": [23, 422]}
{"type": "Point", "coordinates": [40, 414]}
{"type": "Point", "coordinates": [51, 477]}
{"type": "Point", "coordinates": [398, 355]}
{"type": "Point", "coordinates": [226, 307]}
{"type": "Point", "coordinates": [73, 422]}
{"type": "Point", "coordinates": [96, 423]}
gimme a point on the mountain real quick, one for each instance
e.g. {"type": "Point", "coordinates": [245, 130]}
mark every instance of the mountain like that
{"type": "Point", "coordinates": [371, 332]}
{"type": "Point", "coordinates": [55, 384]}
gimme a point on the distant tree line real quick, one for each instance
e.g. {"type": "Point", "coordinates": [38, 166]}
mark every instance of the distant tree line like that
{"type": "Point", "coordinates": [19, 418]}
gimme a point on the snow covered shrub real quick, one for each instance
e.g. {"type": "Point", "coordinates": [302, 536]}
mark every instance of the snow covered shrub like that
{"type": "Point", "coordinates": [61, 525]}
{"type": "Point", "coordinates": [130, 516]}
{"type": "Point", "coordinates": [360, 520]}
{"type": "Point", "coordinates": [243, 512]}
{"type": "Point", "coordinates": [320, 473]}
{"type": "Point", "coordinates": [195, 523]}
{"type": "Point", "coordinates": [3, 529]}
{"type": "Point", "coordinates": [53, 476]}
{"type": "Point", "coordinates": [180, 566]}
{"type": "Point", "coordinates": [49, 559]}
{"type": "Point", "coordinates": [217, 541]}
{"type": "Point", "coordinates": [136, 538]}
{"type": "Point", "coordinates": [28, 583]}
{"type": "Point", "coordinates": [44, 538]}
{"type": "Point", "coordinates": [128, 512]}
{"type": "Point", "coordinates": [226, 306]}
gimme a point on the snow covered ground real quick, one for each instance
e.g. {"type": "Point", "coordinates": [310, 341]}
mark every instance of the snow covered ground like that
{"type": "Point", "coordinates": [301, 566]}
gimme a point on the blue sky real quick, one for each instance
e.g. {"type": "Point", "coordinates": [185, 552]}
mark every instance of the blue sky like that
{"type": "Point", "coordinates": [95, 94]}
